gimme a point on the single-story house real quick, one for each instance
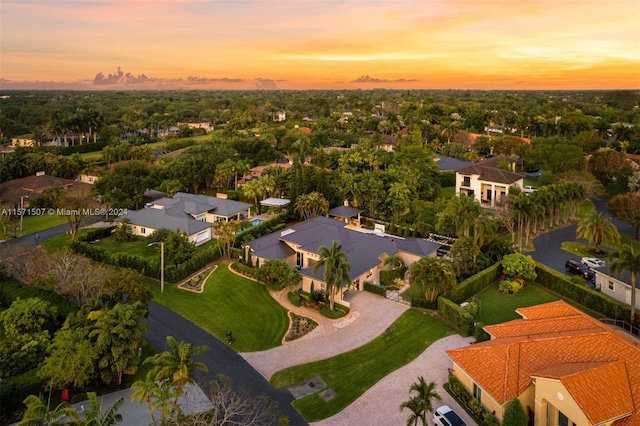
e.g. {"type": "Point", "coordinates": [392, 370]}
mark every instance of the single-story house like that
{"type": "Point", "coordinates": [347, 214]}
{"type": "Point", "coordinates": [298, 245]}
{"type": "Point", "coordinates": [565, 367]}
{"type": "Point", "coordinates": [486, 182]}
{"type": "Point", "coordinates": [203, 207]}
{"type": "Point", "coordinates": [190, 213]}
{"type": "Point", "coordinates": [30, 187]}
{"type": "Point", "coordinates": [617, 285]}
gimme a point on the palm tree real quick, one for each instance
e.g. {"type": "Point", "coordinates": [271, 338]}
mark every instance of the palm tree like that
{"type": "Point", "coordinates": [423, 401]}
{"type": "Point", "coordinates": [434, 275]}
{"type": "Point", "coordinates": [416, 411]}
{"type": "Point", "coordinates": [38, 414]}
{"type": "Point", "coordinates": [336, 269]}
{"type": "Point", "coordinates": [626, 260]}
{"type": "Point", "coordinates": [597, 228]}
{"type": "Point", "coordinates": [94, 415]}
{"type": "Point", "coordinates": [177, 366]}
{"type": "Point", "coordinates": [253, 190]}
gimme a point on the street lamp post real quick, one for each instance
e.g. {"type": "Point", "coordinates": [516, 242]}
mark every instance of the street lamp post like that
{"type": "Point", "coordinates": [22, 210]}
{"type": "Point", "coordinates": [161, 263]}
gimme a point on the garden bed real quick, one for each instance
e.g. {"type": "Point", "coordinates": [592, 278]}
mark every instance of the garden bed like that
{"type": "Point", "coordinates": [300, 326]}
{"type": "Point", "coordinates": [196, 282]}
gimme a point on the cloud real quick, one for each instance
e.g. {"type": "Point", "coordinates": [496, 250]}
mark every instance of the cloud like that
{"type": "Point", "coordinates": [368, 79]}
{"type": "Point", "coordinates": [205, 80]}
{"type": "Point", "coordinates": [266, 84]}
{"type": "Point", "coordinates": [121, 78]}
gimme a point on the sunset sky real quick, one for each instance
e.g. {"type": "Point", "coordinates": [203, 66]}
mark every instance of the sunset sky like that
{"type": "Point", "coordinates": [320, 44]}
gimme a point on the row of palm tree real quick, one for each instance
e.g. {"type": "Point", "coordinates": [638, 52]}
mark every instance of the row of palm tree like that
{"type": "Point", "coordinates": [421, 403]}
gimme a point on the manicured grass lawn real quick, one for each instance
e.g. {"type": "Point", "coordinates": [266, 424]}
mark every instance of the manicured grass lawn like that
{"type": "Point", "coordinates": [97, 155]}
{"type": "Point", "coordinates": [31, 224]}
{"type": "Point", "coordinates": [497, 307]}
{"type": "Point", "coordinates": [229, 303]}
{"type": "Point", "coordinates": [137, 246]}
{"type": "Point", "coordinates": [60, 241]}
{"type": "Point", "coordinates": [448, 191]}
{"type": "Point", "coordinates": [584, 250]}
{"type": "Point", "coordinates": [352, 373]}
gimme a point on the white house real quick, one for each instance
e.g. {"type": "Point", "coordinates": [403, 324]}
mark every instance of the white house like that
{"type": "Point", "coordinates": [617, 286]}
{"type": "Point", "coordinates": [488, 184]}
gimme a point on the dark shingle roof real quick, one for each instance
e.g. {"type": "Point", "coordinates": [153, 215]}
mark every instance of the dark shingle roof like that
{"type": "Point", "coordinates": [491, 174]}
{"type": "Point", "coordinates": [624, 276]}
{"type": "Point", "coordinates": [450, 163]}
{"type": "Point", "coordinates": [344, 211]}
{"type": "Point", "coordinates": [195, 204]}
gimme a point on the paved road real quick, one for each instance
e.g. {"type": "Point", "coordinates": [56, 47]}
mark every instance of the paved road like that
{"type": "Point", "coordinates": [220, 359]}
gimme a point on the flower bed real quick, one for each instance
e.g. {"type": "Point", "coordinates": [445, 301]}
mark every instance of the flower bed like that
{"type": "Point", "coordinates": [196, 283]}
{"type": "Point", "coordinates": [299, 327]}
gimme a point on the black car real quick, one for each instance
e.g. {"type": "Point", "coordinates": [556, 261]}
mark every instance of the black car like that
{"type": "Point", "coordinates": [578, 268]}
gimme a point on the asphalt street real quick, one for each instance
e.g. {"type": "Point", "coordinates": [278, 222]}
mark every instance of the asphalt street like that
{"type": "Point", "coordinates": [221, 359]}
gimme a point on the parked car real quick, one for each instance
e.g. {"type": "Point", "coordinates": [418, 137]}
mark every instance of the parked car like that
{"type": "Point", "coordinates": [578, 268]}
{"type": "Point", "coordinates": [529, 189]}
{"type": "Point", "coordinates": [445, 416]}
{"type": "Point", "coordinates": [592, 262]}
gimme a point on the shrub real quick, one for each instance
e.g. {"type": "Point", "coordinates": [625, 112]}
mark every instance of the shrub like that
{"type": "Point", "coordinates": [510, 286]}
{"type": "Point", "coordinates": [295, 298]}
{"type": "Point", "coordinates": [423, 303]}
{"type": "Point", "coordinates": [479, 333]}
{"type": "Point", "coordinates": [339, 312]}
{"type": "Point", "coordinates": [96, 234]}
{"type": "Point", "coordinates": [380, 291]}
{"type": "Point", "coordinates": [472, 308]}
{"type": "Point", "coordinates": [520, 265]}
{"type": "Point", "coordinates": [455, 314]}
{"type": "Point", "coordinates": [12, 289]}
{"type": "Point", "coordinates": [14, 390]}
{"type": "Point", "coordinates": [474, 284]}
{"type": "Point", "coordinates": [514, 415]}
{"type": "Point", "coordinates": [577, 279]}
{"type": "Point", "coordinates": [243, 269]}
{"type": "Point", "coordinates": [388, 277]}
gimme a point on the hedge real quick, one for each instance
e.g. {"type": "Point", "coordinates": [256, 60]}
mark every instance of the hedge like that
{"type": "Point", "coordinates": [14, 390]}
{"type": "Point", "coordinates": [96, 234]}
{"type": "Point", "coordinates": [480, 334]}
{"type": "Point", "coordinates": [474, 284]}
{"type": "Point", "coordinates": [267, 227]}
{"type": "Point", "coordinates": [580, 293]}
{"type": "Point", "coordinates": [12, 289]}
{"type": "Point", "coordinates": [387, 277]}
{"type": "Point", "coordinates": [372, 288]}
{"type": "Point", "coordinates": [423, 303]}
{"type": "Point", "coordinates": [452, 312]}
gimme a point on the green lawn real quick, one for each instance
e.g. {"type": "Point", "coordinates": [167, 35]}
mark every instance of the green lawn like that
{"type": "Point", "coordinates": [350, 374]}
{"type": "Point", "coordinates": [31, 224]}
{"type": "Point", "coordinates": [497, 307]}
{"type": "Point", "coordinates": [229, 303]}
{"type": "Point", "coordinates": [448, 191]}
{"type": "Point", "coordinates": [137, 246]}
{"type": "Point", "coordinates": [97, 155]}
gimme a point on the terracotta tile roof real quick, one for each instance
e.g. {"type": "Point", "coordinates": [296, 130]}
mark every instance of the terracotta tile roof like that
{"type": "Point", "coordinates": [505, 366]}
{"type": "Point", "coordinates": [590, 384]}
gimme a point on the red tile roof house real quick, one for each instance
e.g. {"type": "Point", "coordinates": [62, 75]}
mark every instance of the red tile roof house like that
{"type": "Point", "coordinates": [565, 366]}
{"type": "Point", "coordinates": [298, 245]}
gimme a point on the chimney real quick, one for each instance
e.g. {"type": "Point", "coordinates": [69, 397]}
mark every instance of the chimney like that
{"type": "Point", "coordinates": [346, 203]}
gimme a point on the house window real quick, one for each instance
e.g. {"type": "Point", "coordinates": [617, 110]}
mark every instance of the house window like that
{"type": "Point", "coordinates": [466, 181]}
{"type": "Point", "coordinates": [143, 230]}
{"type": "Point", "coordinates": [323, 287]}
{"type": "Point", "coordinates": [563, 420]}
{"type": "Point", "coordinates": [299, 259]}
{"type": "Point", "coordinates": [610, 285]}
{"type": "Point", "coordinates": [477, 392]}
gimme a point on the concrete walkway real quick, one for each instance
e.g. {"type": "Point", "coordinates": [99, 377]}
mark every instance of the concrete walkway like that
{"type": "Point", "coordinates": [380, 405]}
{"type": "Point", "coordinates": [370, 315]}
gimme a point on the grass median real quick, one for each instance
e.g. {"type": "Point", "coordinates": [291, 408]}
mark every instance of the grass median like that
{"type": "Point", "coordinates": [352, 373]}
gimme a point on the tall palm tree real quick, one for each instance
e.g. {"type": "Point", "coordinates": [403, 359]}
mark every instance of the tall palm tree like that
{"type": "Point", "coordinates": [434, 275]}
{"type": "Point", "coordinates": [94, 415]}
{"type": "Point", "coordinates": [336, 269]}
{"type": "Point", "coordinates": [627, 260]}
{"type": "Point", "coordinates": [415, 406]}
{"type": "Point", "coordinates": [253, 190]}
{"type": "Point", "coordinates": [597, 228]}
{"type": "Point", "coordinates": [38, 414]}
{"type": "Point", "coordinates": [425, 394]}
{"type": "Point", "coordinates": [177, 366]}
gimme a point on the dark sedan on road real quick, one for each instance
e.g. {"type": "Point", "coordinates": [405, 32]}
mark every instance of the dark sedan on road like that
{"type": "Point", "coordinates": [574, 266]}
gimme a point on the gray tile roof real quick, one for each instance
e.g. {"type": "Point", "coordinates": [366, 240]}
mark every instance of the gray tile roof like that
{"type": "Point", "coordinates": [450, 163]}
{"type": "Point", "coordinates": [624, 276]}
{"type": "Point", "coordinates": [362, 249]}
{"type": "Point", "coordinates": [157, 219]}
{"type": "Point", "coordinates": [344, 211]}
{"type": "Point", "coordinates": [195, 204]}
{"type": "Point", "coordinates": [491, 174]}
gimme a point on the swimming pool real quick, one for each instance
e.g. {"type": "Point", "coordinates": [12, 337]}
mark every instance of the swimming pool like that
{"type": "Point", "coordinates": [256, 222]}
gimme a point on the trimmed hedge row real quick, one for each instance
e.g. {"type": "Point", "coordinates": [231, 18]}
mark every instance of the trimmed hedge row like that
{"type": "Point", "coordinates": [12, 289]}
{"type": "Point", "coordinates": [452, 312]}
{"type": "Point", "coordinates": [149, 267]}
{"type": "Point", "coordinates": [423, 303]}
{"type": "Point", "coordinates": [580, 293]}
{"type": "Point", "coordinates": [96, 234]}
{"type": "Point", "coordinates": [371, 288]}
{"type": "Point", "coordinates": [267, 227]}
{"type": "Point", "coordinates": [387, 277]}
{"type": "Point", "coordinates": [474, 284]}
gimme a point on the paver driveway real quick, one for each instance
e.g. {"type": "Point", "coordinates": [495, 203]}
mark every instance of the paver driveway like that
{"type": "Point", "coordinates": [380, 405]}
{"type": "Point", "coordinates": [370, 315]}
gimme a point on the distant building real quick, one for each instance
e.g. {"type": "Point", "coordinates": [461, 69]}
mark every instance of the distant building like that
{"type": "Point", "coordinates": [280, 116]}
{"type": "Point", "coordinates": [197, 124]}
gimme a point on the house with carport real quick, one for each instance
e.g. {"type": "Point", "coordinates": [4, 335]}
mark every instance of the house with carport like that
{"type": "Point", "coordinates": [366, 250]}
{"type": "Point", "coordinates": [564, 366]}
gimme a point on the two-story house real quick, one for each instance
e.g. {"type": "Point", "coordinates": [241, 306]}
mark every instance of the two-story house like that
{"type": "Point", "coordinates": [487, 183]}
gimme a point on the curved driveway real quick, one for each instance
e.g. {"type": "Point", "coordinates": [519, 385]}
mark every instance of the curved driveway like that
{"type": "Point", "coordinates": [370, 315]}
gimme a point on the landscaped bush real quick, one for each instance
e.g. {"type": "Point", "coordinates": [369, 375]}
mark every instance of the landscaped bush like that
{"type": "Point", "coordinates": [423, 303]}
{"type": "Point", "coordinates": [388, 277]}
{"type": "Point", "coordinates": [294, 297]}
{"type": "Point", "coordinates": [474, 284]}
{"type": "Point", "coordinates": [96, 234]}
{"type": "Point", "coordinates": [511, 286]}
{"type": "Point", "coordinates": [480, 334]}
{"type": "Point", "coordinates": [243, 269]}
{"type": "Point", "coordinates": [372, 288]}
{"type": "Point", "coordinates": [14, 390]}
{"type": "Point", "coordinates": [92, 251]}
{"type": "Point", "coordinates": [447, 178]}
{"type": "Point", "coordinates": [339, 311]}
{"type": "Point", "coordinates": [472, 405]}
{"type": "Point", "coordinates": [580, 293]}
{"type": "Point", "coordinates": [12, 289]}
{"type": "Point", "coordinates": [455, 314]}
{"type": "Point", "coordinates": [264, 228]}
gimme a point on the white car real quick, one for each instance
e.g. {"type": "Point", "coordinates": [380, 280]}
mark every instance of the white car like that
{"type": "Point", "coordinates": [445, 416]}
{"type": "Point", "coordinates": [528, 189]}
{"type": "Point", "coordinates": [592, 262]}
